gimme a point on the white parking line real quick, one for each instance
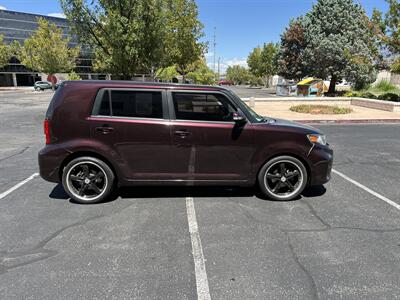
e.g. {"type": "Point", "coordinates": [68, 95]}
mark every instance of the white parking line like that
{"type": "Point", "coordinates": [387, 200]}
{"type": "Point", "coordinates": [18, 185]}
{"type": "Point", "coordinates": [203, 291]}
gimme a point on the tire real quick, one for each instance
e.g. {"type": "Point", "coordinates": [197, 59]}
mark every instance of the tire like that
{"type": "Point", "coordinates": [283, 178]}
{"type": "Point", "coordinates": [88, 180]}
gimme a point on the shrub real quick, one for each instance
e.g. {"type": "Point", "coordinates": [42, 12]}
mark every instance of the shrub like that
{"type": "Point", "coordinates": [368, 95]}
{"type": "Point", "coordinates": [352, 94]}
{"type": "Point", "coordinates": [390, 97]}
{"type": "Point", "coordinates": [385, 86]}
{"type": "Point", "coordinates": [320, 109]}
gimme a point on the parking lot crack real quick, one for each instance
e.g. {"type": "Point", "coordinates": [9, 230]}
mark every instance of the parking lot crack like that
{"type": "Point", "coordinates": [313, 286]}
{"type": "Point", "coordinates": [315, 214]}
{"type": "Point", "coordinates": [15, 154]}
{"type": "Point", "coordinates": [15, 259]}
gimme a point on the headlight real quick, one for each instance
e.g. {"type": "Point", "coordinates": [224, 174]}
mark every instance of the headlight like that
{"type": "Point", "coordinates": [317, 139]}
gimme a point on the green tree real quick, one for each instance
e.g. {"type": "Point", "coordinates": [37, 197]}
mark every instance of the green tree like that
{"type": "Point", "coordinates": [4, 53]}
{"type": "Point", "coordinates": [238, 74]}
{"type": "Point", "coordinates": [125, 34]}
{"type": "Point", "coordinates": [339, 43]}
{"type": "Point", "coordinates": [262, 62]}
{"type": "Point", "coordinates": [73, 76]}
{"type": "Point", "coordinates": [387, 28]}
{"type": "Point", "coordinates": [167, 74]}
{"type": "Point", "coordinates": [396, 66]}
{"type": "Point", "coordinates": [202, 74]}
{"type": "Point", "coordinates": [7, 51]}
{"type": "Point", "coordinates": [184, 34]}
{"type": "Point", "coordinates": [137, 36]}
{"type": "Point", "coordinates": [47, 51]}
{"type": "Point", "coordinates": [392, 23]}
{"type": "Point", "coordinates": [290, 55]}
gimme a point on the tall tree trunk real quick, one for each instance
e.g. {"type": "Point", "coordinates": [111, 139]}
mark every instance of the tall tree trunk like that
{"type": "Point", "coordinates": [332, 85]}
{"type": "Point", "coordinates": [267, 81]}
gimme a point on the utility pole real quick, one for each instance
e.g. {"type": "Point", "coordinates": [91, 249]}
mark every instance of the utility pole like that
{"type": "Point", "coordinates": [215, 46]}
{"type": "Point", "coordinates": [219, 63]}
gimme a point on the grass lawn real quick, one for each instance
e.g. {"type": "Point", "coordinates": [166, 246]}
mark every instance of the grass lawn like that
{"type": "Point", "coordinates": [315, 109]}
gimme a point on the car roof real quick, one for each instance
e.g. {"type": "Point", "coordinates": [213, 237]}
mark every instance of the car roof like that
{"type": "Point", "coordinates": [156, 85]}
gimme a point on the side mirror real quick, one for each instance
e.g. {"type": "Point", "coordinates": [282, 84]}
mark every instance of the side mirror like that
{"type": "Point", "coordinates": [238, 117]}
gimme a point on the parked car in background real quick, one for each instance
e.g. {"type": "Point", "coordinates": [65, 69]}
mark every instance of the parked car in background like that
{"type": "Point", "coordinates": [44, 85]}
{"type": "Point", "coordinates": [225, 82]}
{"type": "Point", "coordinates": [103, 134]}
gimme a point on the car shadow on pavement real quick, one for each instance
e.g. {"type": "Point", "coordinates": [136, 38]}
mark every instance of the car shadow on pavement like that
{"type": "Point", "coordinates": [58, 192]}
{"type": "Point", "coordinates": [188, 191]}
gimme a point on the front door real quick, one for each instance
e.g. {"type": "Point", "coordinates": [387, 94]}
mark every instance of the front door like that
{"type": "Point", "coordinates": [209, 145]}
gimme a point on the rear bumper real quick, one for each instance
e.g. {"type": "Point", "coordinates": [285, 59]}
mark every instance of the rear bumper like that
{"type": "Point", "coordinates": [50, 159]}
{"type": "Point", "coordinates": [321, 160]}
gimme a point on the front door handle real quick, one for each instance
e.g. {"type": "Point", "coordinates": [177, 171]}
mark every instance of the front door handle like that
{"type": "Point", "coordinates": [182, 133]}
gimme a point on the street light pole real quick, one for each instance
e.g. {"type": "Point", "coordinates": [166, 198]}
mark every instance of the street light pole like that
{"type": "Point", "coordinates": [215, 45]}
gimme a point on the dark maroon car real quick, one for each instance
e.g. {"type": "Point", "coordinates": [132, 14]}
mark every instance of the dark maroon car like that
{"type": "Point", "coordinates": [103, 134]}
{"type": "Point", "coordinates": [225, 82]}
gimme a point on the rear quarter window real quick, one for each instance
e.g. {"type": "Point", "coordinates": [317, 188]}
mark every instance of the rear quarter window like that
{"type": "Point", "coordinates": [102, 106]}
{"type": "Point", "coordinates": [54, 102]}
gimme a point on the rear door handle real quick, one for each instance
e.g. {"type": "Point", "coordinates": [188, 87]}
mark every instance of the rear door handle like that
{"type": "Point", "coordinates": [105, 129]}
{"type": "Point", "coordinates": [182, 133]}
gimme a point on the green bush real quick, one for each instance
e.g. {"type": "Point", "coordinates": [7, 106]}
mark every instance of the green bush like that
{"type": "Point", "coordinates": [368, 95]}
{"type": "Point", "coordinates": [390, 97]}
{"type": "Point", "coordinates": [352, 94]}
{"type": "Point", "coordinates": [385, 86]}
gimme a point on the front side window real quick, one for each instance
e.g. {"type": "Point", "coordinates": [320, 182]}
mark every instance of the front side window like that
{"type": "Point", "coordinates": [202, 107]}
{"type": "Point", "coordinates": [124, 103]}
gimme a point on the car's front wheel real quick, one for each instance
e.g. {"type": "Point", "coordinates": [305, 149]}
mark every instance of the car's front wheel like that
{"type": "Point", "coordinates": [283, 178]}
{"type": "Point", "coordinates": [88, 180]}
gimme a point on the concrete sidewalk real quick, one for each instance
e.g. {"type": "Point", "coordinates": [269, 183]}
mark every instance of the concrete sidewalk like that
{"type": "Point", "coordinates": [281, 110]}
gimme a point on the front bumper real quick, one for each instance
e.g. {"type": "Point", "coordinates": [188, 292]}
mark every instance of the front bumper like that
{"type": "Point", "coordinates": [321, 160]}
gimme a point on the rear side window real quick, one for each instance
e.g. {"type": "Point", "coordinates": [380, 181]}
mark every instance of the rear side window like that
{"type": "Point", "coordinates": [202, 107]}
{"type": "Point", "coordinates": [134, 104]}
{"type": "Point", "coordinates": [54, 102]}
{"type": "Point", "coordinates": [103, 105]}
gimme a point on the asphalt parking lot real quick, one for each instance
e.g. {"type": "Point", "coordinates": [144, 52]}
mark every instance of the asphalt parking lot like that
{"type": "Point", "coordinates": [341, 241]}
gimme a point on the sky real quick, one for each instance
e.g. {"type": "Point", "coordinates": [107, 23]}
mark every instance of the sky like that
{"type": "Point", "coordinates": [240, 25]}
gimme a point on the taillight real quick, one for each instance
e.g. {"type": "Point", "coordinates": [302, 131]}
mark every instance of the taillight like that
{"type": "Point", "coordinates": [46, 126]}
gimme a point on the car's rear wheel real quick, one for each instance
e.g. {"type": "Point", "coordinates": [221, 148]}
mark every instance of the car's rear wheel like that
{"type": "Point", "coordinates": [283, 178]}
{"type": "Point", "coordinates": [88, 180]}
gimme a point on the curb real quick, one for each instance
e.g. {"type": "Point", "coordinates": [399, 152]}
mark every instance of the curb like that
{"type": "Point", "coordinates": [354, 121]}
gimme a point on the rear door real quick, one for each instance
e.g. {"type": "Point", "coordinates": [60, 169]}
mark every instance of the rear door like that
{"type": "Point", "coordinates": [134, 124]}
{"type": "Point", "coordinates": [209, 144]}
